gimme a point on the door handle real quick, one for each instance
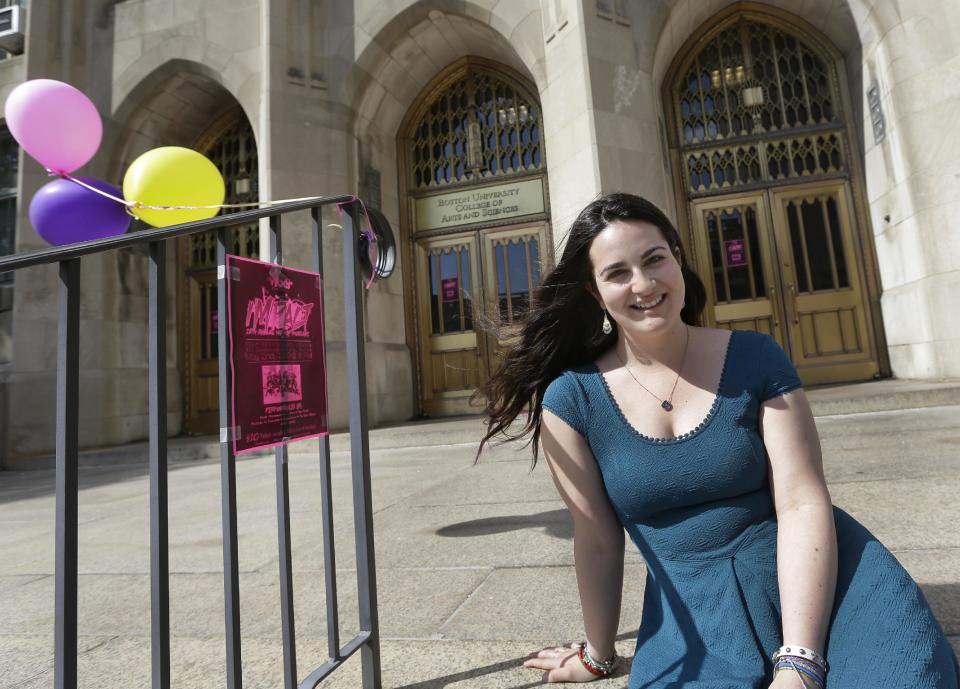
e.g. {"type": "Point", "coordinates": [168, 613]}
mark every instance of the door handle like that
{"type": "Point", "coordinates": [773, 299]}
{"type": "Point", "coordinates": [793, 303]}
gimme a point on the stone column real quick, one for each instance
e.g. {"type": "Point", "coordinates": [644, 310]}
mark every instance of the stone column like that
{"type": "Point", "coordinates": [569, 122]}
{"type": "Point", "coordinates": [313, 150]}
{"type": "Point", "coordinates": [911, 53]}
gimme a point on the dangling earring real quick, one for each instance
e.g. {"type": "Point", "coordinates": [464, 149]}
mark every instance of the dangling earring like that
{"type": "Point", "coordinates": [606, 327]}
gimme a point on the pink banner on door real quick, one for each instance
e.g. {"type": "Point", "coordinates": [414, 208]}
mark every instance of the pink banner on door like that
{"type": "Point", "coordinates": [736, 253]}
{"type": "Point", "coordinates": [277, 366]}
{"type": "Point", "coordinates": [449, 288]}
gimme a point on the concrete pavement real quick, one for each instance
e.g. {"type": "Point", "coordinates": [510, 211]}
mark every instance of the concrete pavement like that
{"type": "Point", "coordinates": [474, 562]}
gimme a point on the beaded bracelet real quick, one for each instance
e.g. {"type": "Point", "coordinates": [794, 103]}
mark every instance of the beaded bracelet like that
{"type": "Point", "coordinates": [790, 661]}
{"type": "Point", "coordinates": [597, 667]}
{"type": "Point", "coordinates": [803, 668]}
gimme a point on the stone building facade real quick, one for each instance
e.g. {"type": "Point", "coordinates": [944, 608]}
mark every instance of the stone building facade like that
{"type": "Point", "coordinates": [804, 148]}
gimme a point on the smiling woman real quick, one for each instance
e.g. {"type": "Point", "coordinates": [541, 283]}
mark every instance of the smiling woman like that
{"type": "Point", "coordinates": [700, 444]}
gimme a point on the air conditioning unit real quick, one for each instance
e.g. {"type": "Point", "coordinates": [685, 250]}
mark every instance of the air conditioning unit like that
{"type": "Point", "coordinates": [12, 25]}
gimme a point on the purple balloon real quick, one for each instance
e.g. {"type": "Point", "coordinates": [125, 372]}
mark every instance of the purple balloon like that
{"type": "Point", "coordinates": [63, 212]}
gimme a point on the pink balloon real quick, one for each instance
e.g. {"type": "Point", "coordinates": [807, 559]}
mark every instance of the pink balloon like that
{"type": "Point", "coordinates": [55, 123]}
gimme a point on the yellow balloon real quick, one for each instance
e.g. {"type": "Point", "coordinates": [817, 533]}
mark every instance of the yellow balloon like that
{"type": "Point", "coordinates": [173, 176]}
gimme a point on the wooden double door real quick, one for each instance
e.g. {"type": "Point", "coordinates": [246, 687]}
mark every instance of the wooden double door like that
{"type": "Point", "coordinates": [199, 342]}
{"type": "Point", "coordinates": [785, 261]}
{"type": "Point", "coordinates": [472, 290]}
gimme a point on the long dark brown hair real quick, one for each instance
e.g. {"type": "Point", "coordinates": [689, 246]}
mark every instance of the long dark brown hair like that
{"type": "Point", "coordinates": [562, 328]}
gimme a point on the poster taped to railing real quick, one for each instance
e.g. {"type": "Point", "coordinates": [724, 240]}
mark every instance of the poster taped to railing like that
{"type": "Point", "coordinates": [277, 366]}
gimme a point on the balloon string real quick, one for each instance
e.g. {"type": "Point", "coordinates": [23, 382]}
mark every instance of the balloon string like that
{"type": "Point", "coordinates": [366, 232]}
{"type": "Point", "coordinates": [136, 204]}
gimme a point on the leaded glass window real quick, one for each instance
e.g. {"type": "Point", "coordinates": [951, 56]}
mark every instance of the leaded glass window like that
{"type": "Point", "coordinates": [517, 261]}
{"type": "Point", "coordinates": [451, 304]}
{"type": "Point", "coordinates": [480, 127]}
{"type": "Point", "coordinates": [234, 152]}
{"type": "Point", "coordinates": [817, 241]}
{"type": "Point", "coordinates": [735, 254]}
{"type": "Point", "coordinates": [8, 195]}
{"type": "Point", "coordinates": [755, 81]}
{"type": "Point", "coordinates": [8, 3]}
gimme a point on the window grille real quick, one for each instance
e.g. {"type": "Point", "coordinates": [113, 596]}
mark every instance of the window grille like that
{"type": "Point", "coordinates": [3, 53]}
{"type": "Point", "coordinates": [8, 196]}
{"type": "Point", "coordinates": [517, 261]}
{"type": "Point", "coordinates": [234, 152]}
{"type": "Point", "coordinates": [757, 105]}
{"type": "Point", "coordinates": [481, 127]}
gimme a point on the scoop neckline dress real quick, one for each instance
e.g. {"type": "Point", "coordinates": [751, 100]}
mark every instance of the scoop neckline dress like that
{"type": "Point", "coordinates": [711, 412]}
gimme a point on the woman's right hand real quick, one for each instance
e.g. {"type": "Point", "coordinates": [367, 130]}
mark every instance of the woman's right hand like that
{"type": "Point", "coordinates": [561, 664]}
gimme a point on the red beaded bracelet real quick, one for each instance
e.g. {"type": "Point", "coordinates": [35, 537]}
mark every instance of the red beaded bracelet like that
{"type": "Point", "coordinates": [594, 670]}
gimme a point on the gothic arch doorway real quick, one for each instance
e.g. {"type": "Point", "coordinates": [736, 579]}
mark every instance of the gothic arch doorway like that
{"type": "Point", "coordinates": [475, 221]}
{"type": "Point", "coordinates": [768, 178]}
{"type": "Point", "coordinates": [229, 142]}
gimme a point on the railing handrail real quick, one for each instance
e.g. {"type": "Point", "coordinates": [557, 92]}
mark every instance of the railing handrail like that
{"type": "Point", "coordinates": [54, 254]}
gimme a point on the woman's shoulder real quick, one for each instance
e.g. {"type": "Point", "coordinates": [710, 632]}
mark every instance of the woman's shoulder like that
{"type": "Point", "coordinates": [749, 342]}
{"type": "Point", "coordinates": [568, 395]}
{"type": "Point", "coordinates": [574, 377]}
{"type": "Point", "coordinates": [757, 360]}
{"type": "Point", "coordinates": [761, 347]}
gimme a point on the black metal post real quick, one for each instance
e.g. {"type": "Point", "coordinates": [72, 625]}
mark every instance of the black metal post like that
{"type": "Point", "coordinates": [228, 479]}
{"type": "Point", "coordinates": [287, 621]}
{"type": "Point", "coordinates": [159, 550]}
{"type": "Point", "coordinates": [360, 451]}
{"type": "Point", "coordinates": [326, 496]}
{"type": "Point", "coordinates": [67, 488]}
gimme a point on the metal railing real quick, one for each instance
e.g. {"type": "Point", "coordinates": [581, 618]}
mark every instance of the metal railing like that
{"type": "Point", "coordinates": [67, 410]}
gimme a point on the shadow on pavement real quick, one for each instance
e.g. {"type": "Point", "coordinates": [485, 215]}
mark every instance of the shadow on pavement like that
{"type": "Point", "coordinates": [556, 523]}
{"type": "Point", "coordinates": [446, 680]}
{"type": "Point", "coordinates": [93, 471]}
{"type": "Point", "coordinates": [944, 600]}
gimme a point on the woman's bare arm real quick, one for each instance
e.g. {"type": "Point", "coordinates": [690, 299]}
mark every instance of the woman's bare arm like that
{"type": "Point", "coordinates": [597, 544]}
{"type": "Point", "coordinates": [806, 540]}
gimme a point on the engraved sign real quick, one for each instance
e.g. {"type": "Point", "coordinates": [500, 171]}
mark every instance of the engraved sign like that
{"type": "Point", "coordinates": [483, 204]}
{"type": "Point", "coordinates": [876, 113]}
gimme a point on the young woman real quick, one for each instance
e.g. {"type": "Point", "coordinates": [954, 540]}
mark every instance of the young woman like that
{"type": "Point", "coordinates": [701, 445]}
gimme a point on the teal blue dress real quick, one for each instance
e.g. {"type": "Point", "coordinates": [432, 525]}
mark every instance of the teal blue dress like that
{"type": "Point", "coordinates": [698, 506]}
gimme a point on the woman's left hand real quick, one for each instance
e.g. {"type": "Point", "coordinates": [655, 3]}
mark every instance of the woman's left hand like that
{"type": "Point", "coordinates": [561, 664]}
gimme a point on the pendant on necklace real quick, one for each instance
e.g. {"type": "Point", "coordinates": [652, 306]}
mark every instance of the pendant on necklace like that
{"type": "Point", "coordinates": [666, 405]}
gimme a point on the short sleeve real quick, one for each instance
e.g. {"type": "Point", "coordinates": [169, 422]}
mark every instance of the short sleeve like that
{"type": "Point", "coordinates": [777, 372]}
{"type": "Point", "coordinates": [565, 398]}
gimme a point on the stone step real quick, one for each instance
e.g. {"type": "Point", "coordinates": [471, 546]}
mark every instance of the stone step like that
{"type": "Point", "coordinates": [856, 398]}
{"type": "Point", "coordinates": [882, 395]}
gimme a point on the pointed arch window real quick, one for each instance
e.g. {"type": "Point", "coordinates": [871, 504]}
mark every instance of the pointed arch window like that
{"type": "Point", "coordinates": [757, 104]}
{"type": "Point", "coordinates": [9, 169]}
{"type": "Point", "coordinates": [479, 127]}
{"type": "Point", "coordinates": [232, 148]}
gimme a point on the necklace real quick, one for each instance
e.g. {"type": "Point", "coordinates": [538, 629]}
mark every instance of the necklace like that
{"type": "Point", "coordinates": [665, 404]}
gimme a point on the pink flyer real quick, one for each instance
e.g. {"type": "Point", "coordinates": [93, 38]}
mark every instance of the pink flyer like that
{"type": "Point", "coordinates": [450, 289]}
{"type": "Point", "coordinates": [275, 317]}
{"type": "Point", "coordinates": [736, 253]}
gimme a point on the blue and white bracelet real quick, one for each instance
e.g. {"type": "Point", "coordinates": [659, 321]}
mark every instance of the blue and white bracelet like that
{"type": "Point", "coordinates": [808, 664]}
